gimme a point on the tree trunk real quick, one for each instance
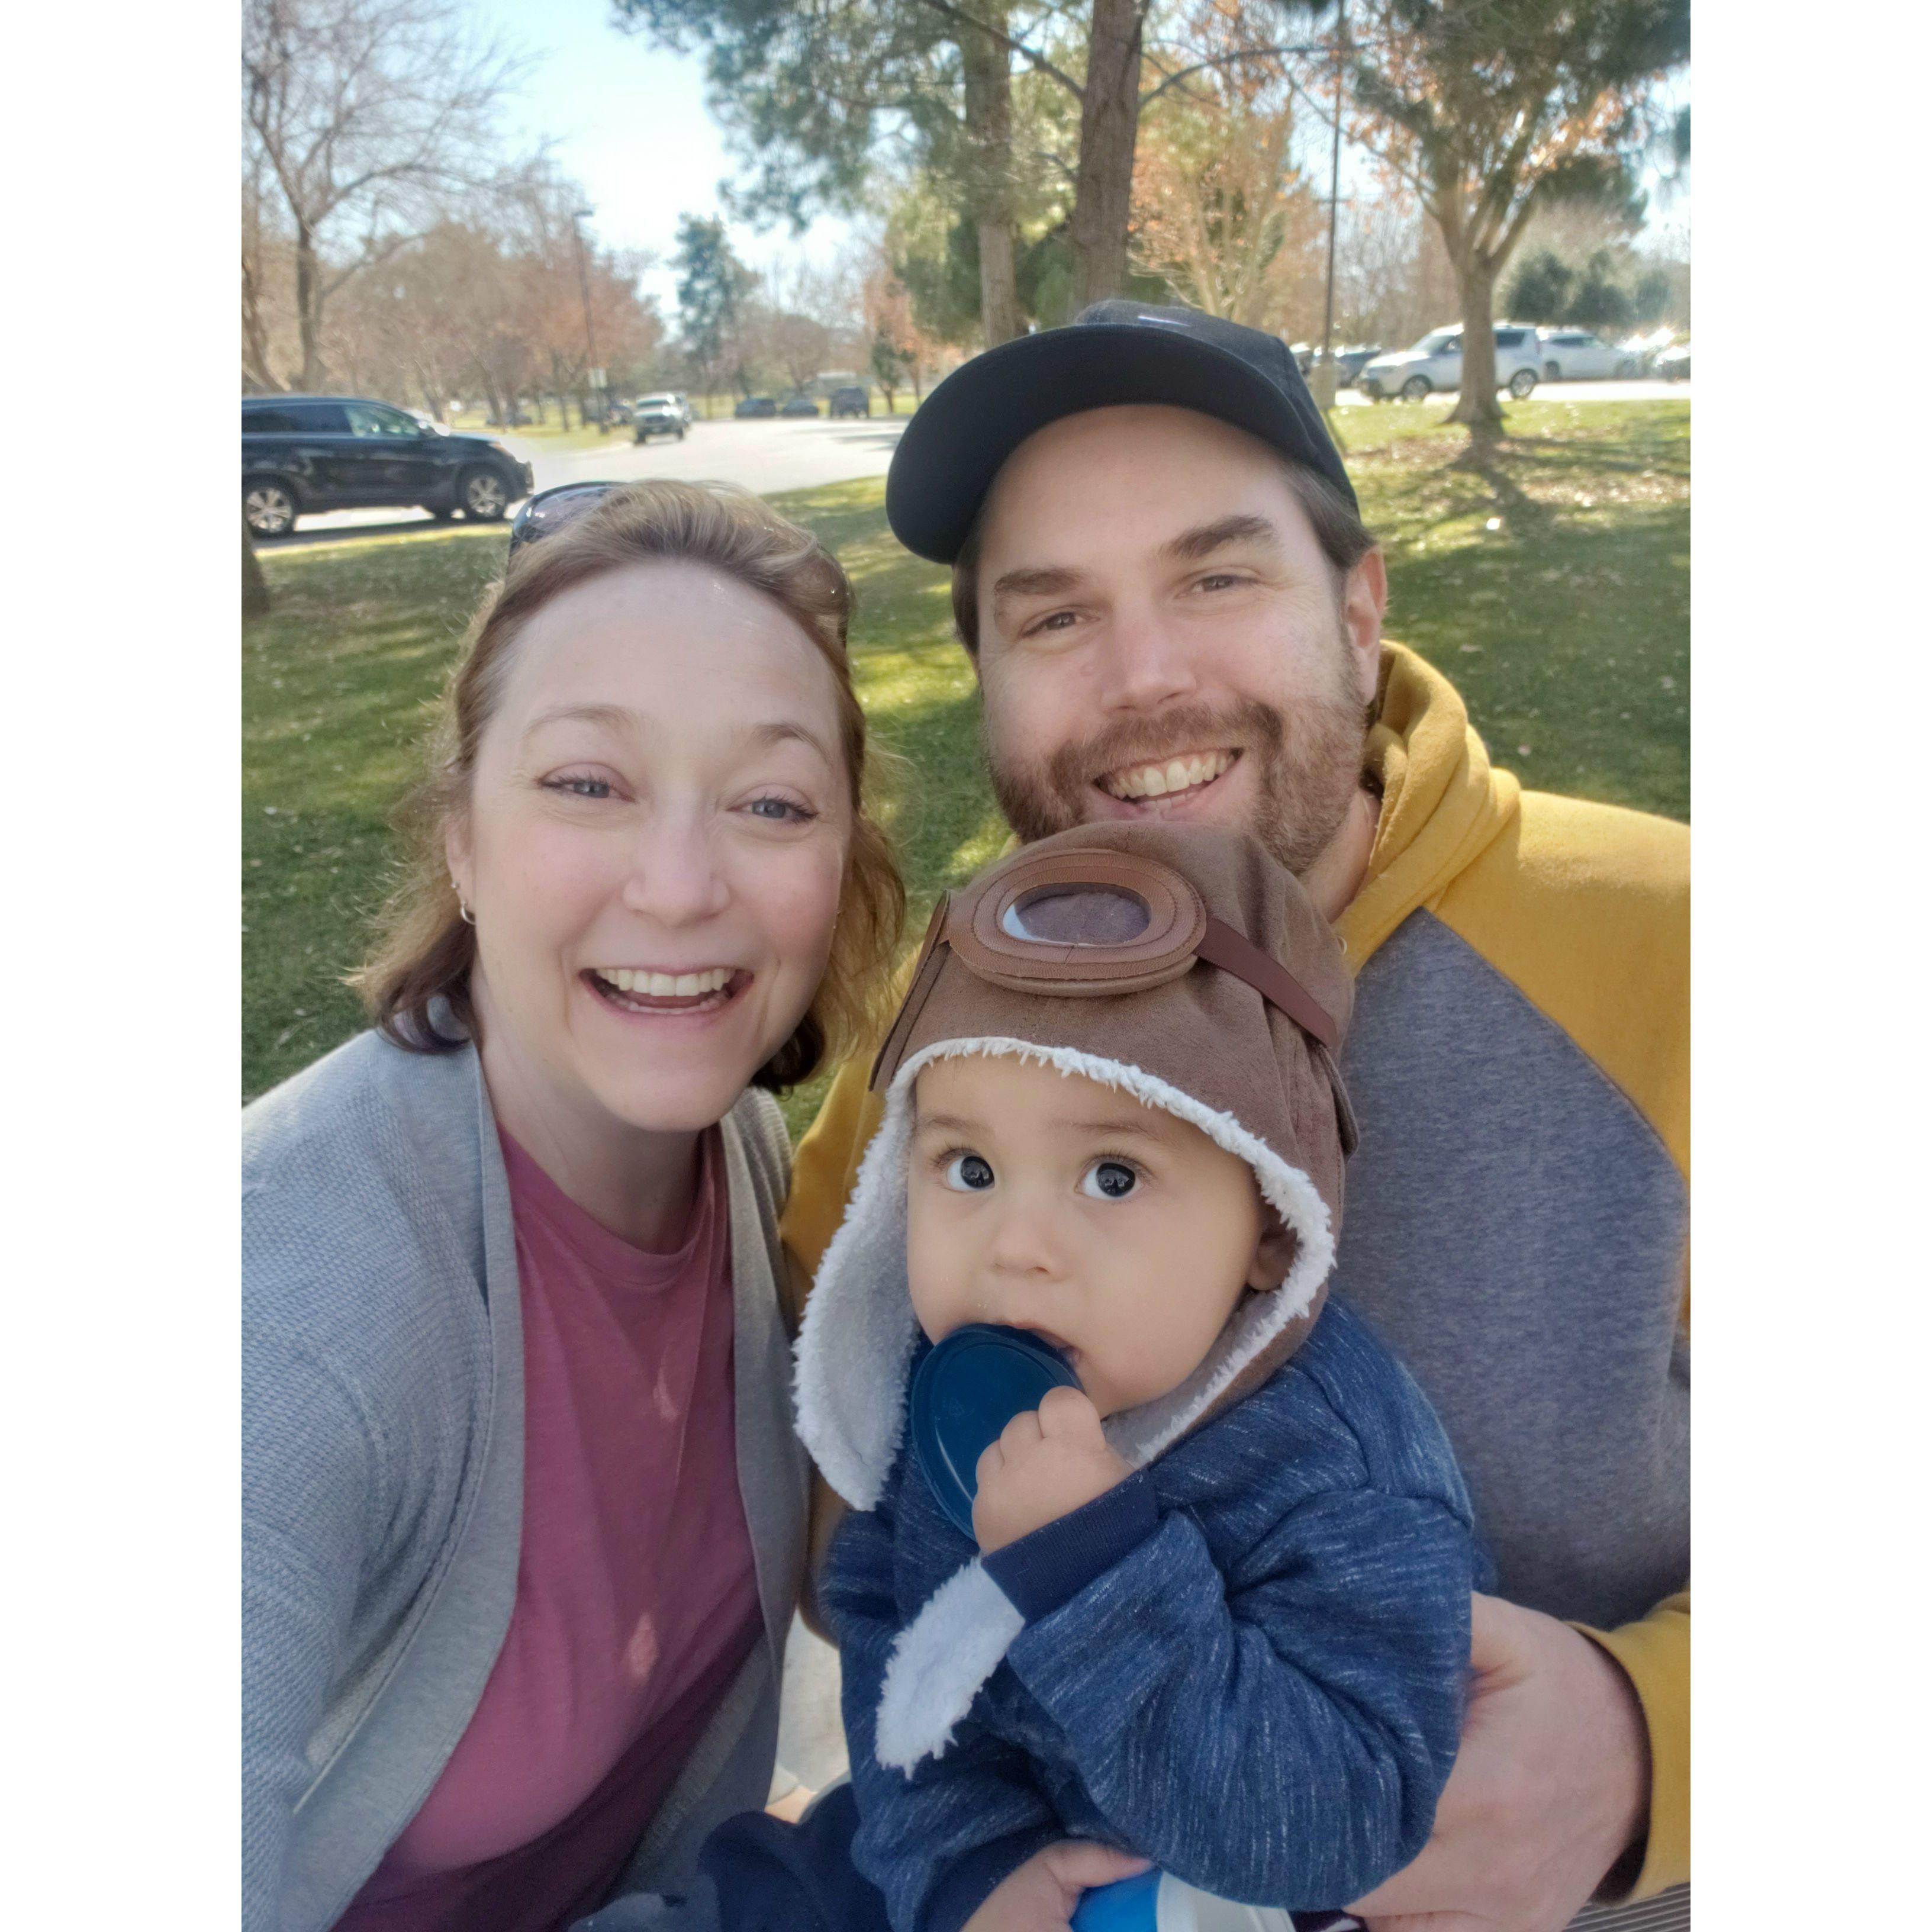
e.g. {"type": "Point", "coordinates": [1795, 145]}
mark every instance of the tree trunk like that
{"type": "Point", "coordinates": [1476, 405]}
{"type": "Point", "coordinates": [255, 370]}
{"type": "Point", "coordinates": [1110, 115]}
{"type": "Point", "coordinates": [254, 585]}
{"type": "Point", "coordinates": [308, 306]}
{"type": "Point", "coordinates": [989, 120]}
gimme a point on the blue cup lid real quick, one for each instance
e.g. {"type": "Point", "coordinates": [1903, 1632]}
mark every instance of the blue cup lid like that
{"type": "Point", "coordinates": [1128, 1905]}
{"type": "Point", "coordinates": [964, 1393]}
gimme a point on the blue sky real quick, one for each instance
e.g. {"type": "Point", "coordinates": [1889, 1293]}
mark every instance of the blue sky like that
{"type": "Point", "coordinates": [627, 119]}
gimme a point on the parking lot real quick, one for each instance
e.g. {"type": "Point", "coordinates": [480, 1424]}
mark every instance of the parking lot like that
{"type": "Point", "coordinates": [768, 455]}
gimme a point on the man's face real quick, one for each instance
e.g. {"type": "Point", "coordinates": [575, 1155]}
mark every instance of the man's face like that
{"type": "Point", "coordinates": [1161, 636]}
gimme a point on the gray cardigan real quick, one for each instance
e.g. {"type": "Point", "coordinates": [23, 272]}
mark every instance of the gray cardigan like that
{"type": "Point", "coordinates": [383, 1467]}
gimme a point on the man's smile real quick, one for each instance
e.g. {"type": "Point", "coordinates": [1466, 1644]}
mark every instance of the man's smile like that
{"type": "Point", "coordinates": [1173, 781]}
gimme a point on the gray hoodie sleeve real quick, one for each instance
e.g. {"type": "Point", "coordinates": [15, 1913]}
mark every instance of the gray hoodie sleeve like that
{"type": "Point", "coordinates": [308, 1498]}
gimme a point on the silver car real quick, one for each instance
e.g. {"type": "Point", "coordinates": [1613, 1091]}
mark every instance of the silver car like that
{"type": "Point", "coordinates": [1574, 356]}
{"type": "Point", "coordinates": [1436, 363]}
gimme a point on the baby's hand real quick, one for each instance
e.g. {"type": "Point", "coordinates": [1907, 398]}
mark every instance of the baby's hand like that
{"type": "Point", "coordinates": [1040, 1895]}
{"type": "Point", "coordinates": [1046, 1463]}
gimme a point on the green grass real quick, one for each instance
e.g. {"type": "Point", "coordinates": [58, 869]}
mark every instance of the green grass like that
{"type": "Point", "coordinates": [548, 434]}
{"type": "Point", "coordinates": [1566, 627]}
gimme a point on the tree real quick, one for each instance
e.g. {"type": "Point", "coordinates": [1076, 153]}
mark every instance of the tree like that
{"type": "Point", "coordinates": [812, 92]}
{"type": "Point", "coordinates": [1541, 291]}
{"type": "Point", "coordinates": [901, 350]}
{"type": "Point", "coordinates": [254, 585]}
{"type": "Point", "coordinates": [1221, 212]}
{"type": "Point", "coordinates": [713, 286]}
{"type": "Point", "coordinates": [808, 93]}
{"type": "Point", "coordinates": [1492, 111]}
{"type": "Point", "coordinates": [363, 118]}
{"type": "Point", "coordinates": [1581, 268]}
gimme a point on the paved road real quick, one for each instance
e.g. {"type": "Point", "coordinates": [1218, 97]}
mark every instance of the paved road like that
{"type": "Point", "coordinates": [766, 456]}
{"type": "Point", "coordinates": [774, 455]}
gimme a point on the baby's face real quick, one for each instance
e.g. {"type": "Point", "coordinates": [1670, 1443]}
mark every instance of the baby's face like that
{"type": "Point", "coordinates": [1046, 1201]}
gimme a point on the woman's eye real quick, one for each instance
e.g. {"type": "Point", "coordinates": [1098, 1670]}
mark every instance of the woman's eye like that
{"type": "Point", "coordinates": [580, 787]}
{"type": "Point", "coordinates": [780, 812]}
{"type": "Point", "coordinates": [969, 1173]}
{"type": "Point", "coordinates": [1109, 1180]}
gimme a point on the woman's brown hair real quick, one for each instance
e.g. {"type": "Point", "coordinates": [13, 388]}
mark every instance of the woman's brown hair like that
{"type": "Point", "coordinates": [415, 982]}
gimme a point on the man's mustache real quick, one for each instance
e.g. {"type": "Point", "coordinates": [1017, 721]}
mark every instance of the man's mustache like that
{"type": "Point", "coordinates": [1248, 727]}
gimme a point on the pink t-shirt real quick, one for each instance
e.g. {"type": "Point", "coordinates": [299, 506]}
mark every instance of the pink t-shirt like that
{"type": "Point", "coordinates": [636, 1598]}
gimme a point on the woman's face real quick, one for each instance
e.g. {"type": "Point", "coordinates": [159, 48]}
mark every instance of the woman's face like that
{"type": "Point", "coordinates": [654, 845]}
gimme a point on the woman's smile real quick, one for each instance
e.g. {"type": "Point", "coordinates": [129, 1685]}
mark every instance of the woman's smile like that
{"type": "Point", "coordinates": [662, 992]}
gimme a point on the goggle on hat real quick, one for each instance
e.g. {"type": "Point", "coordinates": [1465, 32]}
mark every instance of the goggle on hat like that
{"type": "Point", "coordinates": [1182, 966]}
{"type": "Point", "coordinates": [1085, 921]}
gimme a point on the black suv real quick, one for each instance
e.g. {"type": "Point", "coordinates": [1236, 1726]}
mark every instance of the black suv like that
{"type": "Point", "coordinates": [305, 453]}
{"type": "Point", "coordinates": [851, 400]}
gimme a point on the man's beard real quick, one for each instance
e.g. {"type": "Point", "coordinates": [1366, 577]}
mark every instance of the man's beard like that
{"type": "Point", "coordinates": [1306, 770]}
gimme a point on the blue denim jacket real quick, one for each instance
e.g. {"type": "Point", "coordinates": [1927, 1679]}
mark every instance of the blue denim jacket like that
{"type": "Point", "coordinates": [1246, 1662]}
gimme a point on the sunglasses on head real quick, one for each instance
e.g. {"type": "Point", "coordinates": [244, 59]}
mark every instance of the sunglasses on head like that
{"type": "Point", "coordinates": [549, 510]}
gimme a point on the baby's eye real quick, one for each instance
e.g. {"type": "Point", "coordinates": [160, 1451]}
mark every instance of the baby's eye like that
{"type": "Point", "coordinates": [1109, 1180]}
{"type": "Point", "coordinates": [970, 1173]}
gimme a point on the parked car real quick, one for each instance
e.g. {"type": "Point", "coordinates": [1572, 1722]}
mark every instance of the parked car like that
{"type": "Point", "coordinates": [1575, 355]}
{"type": "Point", "coordinates": [851, 400]}
{"type": "Point", "coordinates": [757, 406]}
{"type": "Point", "coordinates": [1644, 349]}
{"type": "Point", "coordinates": [683, 404]}
{"type": "Point", "coordinates": [799, 405]}
{"type": "Point", "coordinates": [301, 453]}
{"type": "Point", "coordinates": [1673, 364]}
{"type": "Point", "coordinates": [657, 416]}
{"type": "Point", "coordinates": [1435, 362]}
{"type": "Point", "coordinates": [1350, 362]}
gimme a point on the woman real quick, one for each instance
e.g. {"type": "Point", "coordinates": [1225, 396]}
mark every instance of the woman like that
{"type": "Point", "coordinates": [524, 1517]}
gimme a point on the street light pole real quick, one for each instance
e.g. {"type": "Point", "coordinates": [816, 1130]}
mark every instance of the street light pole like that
{"type": "Point", "coordinates": [1327, 364]}
{"type": "Point", "coordinates": [584, 289]}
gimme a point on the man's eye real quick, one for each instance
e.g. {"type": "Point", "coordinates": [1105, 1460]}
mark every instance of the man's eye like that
{"type": "Point", "coordinates": [1222, 579]}
{"type": "Point", "coordinates": [969, 1174]}
{"type": "Point", "coordinates": [1109, 1180]}
{"type": "Point", "coordinates": [1055, 620]}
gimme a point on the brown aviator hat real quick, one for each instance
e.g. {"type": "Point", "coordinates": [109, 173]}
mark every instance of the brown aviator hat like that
{"type": "Point", "coordinates": [1183, 966]}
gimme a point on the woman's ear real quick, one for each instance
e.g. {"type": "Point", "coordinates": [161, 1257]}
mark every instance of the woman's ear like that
{"type": "Point", "coordinates": [456, 851]}
{"type": "Point", "coordinates": [1274, 1254]}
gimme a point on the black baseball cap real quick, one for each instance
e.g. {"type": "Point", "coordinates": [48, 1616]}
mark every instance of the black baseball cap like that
{"type": "Point", "coordinates": [1114, 351]}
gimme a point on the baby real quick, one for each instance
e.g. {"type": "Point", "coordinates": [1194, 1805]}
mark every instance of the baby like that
{"type": "Point", "coordinates": [1214, 1611]}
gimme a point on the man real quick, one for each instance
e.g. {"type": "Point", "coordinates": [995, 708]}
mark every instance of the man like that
{"type": "Point", "coordinates": [1174, 611]}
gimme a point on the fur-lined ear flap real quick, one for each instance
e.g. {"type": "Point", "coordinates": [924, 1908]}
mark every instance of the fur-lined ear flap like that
{"type": "Point", "coordinates": [1274, 1254]}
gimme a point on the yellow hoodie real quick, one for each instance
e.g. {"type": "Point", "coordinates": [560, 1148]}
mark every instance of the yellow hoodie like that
{"type": "Point", "coordinates": [1516, 1211]}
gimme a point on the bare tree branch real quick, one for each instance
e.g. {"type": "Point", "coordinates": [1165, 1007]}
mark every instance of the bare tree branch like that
{"type": "Point", "coordinates": [1032, 56]}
